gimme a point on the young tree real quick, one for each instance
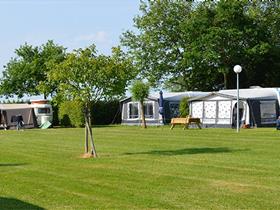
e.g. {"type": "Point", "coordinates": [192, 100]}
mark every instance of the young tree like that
{"type": "Point", "coordinates": [140, 91]}
{"type": "Point", "coordinates": [184, 107]}
{"type": "Point", "coordinates": [27, 73]}
{"type": "Point", "coordinates": [87, 77]}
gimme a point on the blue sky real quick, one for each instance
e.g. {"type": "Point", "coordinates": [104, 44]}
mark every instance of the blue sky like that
{"type": "Point", "coordinates": [71, 23]}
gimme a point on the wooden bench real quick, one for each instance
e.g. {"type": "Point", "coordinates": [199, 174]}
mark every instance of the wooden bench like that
{"type": "Point", "coordinates": [185, 121]}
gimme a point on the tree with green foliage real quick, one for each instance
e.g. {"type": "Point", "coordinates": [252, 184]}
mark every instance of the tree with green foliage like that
{"type": "Point", "coordinates": [87, 77]}
{"type": "Point", "coordinates": [27, 72]}
{"type": "Point", "coordinates": [195, 44]}
{"type": "Point", "coordinates": [184, 107]}
{"type": "Point", "coordinates": [157, 47]}
{"type": "Point", "coordinates": [140, 91]}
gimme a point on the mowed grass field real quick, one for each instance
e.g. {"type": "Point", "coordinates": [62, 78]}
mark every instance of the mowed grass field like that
{"type": "Point", "coordinates": [154, 168]}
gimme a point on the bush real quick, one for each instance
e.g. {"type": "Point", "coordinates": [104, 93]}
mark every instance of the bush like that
{"type": "Point", "coordinates": [71, 114]}
{"type": "Point", "coordinates": [184, 107]}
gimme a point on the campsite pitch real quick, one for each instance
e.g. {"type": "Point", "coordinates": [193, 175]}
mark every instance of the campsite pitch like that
{"type": "Point", "coordinates": [154, 168]}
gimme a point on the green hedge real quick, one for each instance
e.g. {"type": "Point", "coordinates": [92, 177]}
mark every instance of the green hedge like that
{"type": "Point", "coordinates": [70, 113]}
{"type": "Point", "coordinates": [106, 112]}
{"type": "Point", "coordinates": [55, 114]}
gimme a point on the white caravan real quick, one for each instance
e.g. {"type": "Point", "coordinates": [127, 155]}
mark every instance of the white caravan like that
{"type": "Point", "coordinates": [43, 111]}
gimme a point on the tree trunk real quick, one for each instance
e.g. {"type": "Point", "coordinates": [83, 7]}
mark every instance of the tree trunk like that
{"type": "Point", "coordinates": [86, 134]}
{"type": "Point", "coordinates": [143, 116]}
{"type": "Point", "coordinates": [225, 81]}
{"type": "Point", "coordinates": [93, 151]}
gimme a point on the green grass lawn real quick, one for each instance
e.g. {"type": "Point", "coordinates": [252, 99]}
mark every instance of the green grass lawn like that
{"type": "Point", "coordinates": [141, 169]}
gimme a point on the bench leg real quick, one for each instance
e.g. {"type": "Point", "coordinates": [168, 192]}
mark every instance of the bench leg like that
{"type": "Point", "coordinates": [186, 126]}
{"type": "Point", "coordinates": [172, 126]}
{"type": "Point", "coordinates": [198, 124]}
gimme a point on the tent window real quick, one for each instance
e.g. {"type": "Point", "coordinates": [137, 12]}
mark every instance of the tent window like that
{"type": "Point", "coordinates": [174, 110]}
{"type": "Point", "coordinates": [149, 110]}
{"type": "Point", "coordinates": [268, 112]}
{"type": "Point", "coordinates": [133, 110]}
{"type": "Point", "coordinates": [210, 109]}
{"type": "Point", "coordinates": [44, 110]}
{"type": "Point", "coordinates": [197, 109]}
{"type": "Point", "coordinates": [224, 108]}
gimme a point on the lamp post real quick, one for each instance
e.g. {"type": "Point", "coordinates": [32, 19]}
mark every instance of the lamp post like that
{"type": "Point", "coordinates": [237, 69]}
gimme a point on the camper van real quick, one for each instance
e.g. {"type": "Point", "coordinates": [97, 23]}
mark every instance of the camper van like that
{"type": "Point", "coordinates": [43, 111]}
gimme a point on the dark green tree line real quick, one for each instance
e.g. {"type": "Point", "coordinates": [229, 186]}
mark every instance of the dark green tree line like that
{"type": "Point", "coordinates": [194, 45]}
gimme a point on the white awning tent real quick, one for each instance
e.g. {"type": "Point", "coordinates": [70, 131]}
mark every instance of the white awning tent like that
{"type": "Point", "coordinates": [259, 106]}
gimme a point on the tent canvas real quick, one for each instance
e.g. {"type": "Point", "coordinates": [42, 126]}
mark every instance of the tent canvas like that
{"type": "Point", "coordinates": [258, 107]}
{"type": "Point", "coordinates": [9, 111]}
{"type": "Point", "coordinates": [158, 111]}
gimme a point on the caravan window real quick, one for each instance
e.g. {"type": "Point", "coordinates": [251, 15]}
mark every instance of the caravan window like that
{"type": "Point", "coordinates": [44, 111]}
{"type": "Point", "coordinates": [268, 112]}
{"type": "Point", "coordinates": [133, 110]}
{"type": "Point", "coordinates": [149, 110]}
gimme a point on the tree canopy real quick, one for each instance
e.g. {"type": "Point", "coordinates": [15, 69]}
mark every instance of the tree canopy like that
{"type": "Point", "coordinates": [139, 91]}
{"type": "Point", "coordinates": [194, 45]}
{"type": "Point", "coordinates": [27, 72]}
{"type": "Point", "coordinates": [89, 77]}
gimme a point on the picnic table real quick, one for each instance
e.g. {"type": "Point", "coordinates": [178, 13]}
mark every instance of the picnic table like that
{"type": "Point", "coordinates": [186, 121]}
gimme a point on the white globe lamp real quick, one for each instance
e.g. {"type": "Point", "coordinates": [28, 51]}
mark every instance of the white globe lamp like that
{"type": "Point", "coordinates": [237, 69]}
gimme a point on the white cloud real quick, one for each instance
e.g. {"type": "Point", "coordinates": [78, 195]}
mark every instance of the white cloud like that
{"type": "Point", "coordinates": [100, 37]}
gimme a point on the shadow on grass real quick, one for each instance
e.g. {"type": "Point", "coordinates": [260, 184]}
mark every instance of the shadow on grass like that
{"type": "Point", "coordinates": [12, 164]}
{"type": "Point", "coordinates": [190, 151]}
{"type": "Point", "coordinates": [15, 204]}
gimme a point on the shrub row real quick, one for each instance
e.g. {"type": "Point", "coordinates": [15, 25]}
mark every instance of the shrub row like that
{"type": "Point", "coordinates": [70, 113]}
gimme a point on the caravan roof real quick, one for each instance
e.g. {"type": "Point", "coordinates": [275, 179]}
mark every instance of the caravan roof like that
{"type": "Point", "coordinates": [14, 106]}
{"type": "Point", "coordinates": [177, 96]}
{"type": "Point", "coordinates": [250, 93]}
{"type": "Point", "coordinates": [174, 96]}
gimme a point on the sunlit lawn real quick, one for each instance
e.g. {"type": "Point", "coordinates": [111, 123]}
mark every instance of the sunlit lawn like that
{"type": "Point", "coordinates": [141, 169]}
